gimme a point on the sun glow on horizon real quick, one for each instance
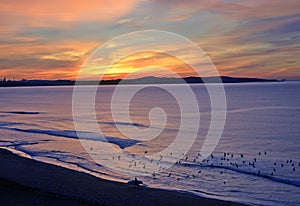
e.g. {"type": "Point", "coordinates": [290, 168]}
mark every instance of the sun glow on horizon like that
{"type": "Point", "coordinates": [140, 64]}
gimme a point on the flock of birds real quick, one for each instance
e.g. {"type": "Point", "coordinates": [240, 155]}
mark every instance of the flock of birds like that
{"type": "Point", "coordinates": [234, 162]}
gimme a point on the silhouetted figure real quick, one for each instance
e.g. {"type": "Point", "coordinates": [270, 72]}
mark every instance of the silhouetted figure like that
{"type": "Point", "coordinates": [242, 156]}
{"type": "Point", "coordinates": [136, 183]}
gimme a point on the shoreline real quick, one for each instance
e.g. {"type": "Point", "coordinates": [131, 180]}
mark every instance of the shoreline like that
{"type": "Point", "coordinates": [26, 181]}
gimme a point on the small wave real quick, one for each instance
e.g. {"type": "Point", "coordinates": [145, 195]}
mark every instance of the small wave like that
{"type": "Point", "coordinates": [19, 112]}
{"type": "Point", "coordinates": [122, 143]}
{"type": "Point", "coordinates": [125, 124]}
{"type": "Point", "coordinates": [259, 108]}
{"type": "Point", "coordinates": [5, 124]}
{"type": "Point", "coordinates": [281, 180]}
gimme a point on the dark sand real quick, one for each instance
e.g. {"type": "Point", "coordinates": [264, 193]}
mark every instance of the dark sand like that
{"type": "Point", "coordinates": [27, 182]}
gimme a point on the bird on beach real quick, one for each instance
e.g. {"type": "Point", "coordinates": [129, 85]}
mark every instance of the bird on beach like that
{"type": "Point", "coordinates": [242, 156]}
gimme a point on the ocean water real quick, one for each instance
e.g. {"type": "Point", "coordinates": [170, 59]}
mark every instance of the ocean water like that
{"type": "Point", "coordinates": [257, 160]}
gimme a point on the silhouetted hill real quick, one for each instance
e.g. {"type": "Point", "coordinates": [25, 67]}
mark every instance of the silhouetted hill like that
{"type": "Point", "coordinates": [143, 80]}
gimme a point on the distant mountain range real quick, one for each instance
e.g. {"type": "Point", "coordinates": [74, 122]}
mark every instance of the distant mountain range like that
{"type": "Point", "coordinates": [144, 80]}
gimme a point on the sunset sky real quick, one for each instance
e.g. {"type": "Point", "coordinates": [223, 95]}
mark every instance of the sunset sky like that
{"type": "Point", "coordinates": [52, 39]}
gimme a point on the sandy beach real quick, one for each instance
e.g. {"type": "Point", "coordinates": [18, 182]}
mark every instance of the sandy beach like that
{"type": "Point", "coordinates": [28, 182]}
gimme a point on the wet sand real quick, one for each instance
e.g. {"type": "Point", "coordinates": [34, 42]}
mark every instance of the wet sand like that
{"type": "Point", "coordinates": [25, 181]}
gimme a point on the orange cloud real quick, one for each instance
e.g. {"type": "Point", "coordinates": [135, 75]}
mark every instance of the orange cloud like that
{"type": "Point", "coordinates": [43, 13]}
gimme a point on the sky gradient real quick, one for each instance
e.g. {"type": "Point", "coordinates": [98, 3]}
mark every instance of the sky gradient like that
{"type": "Point", "coordinates": [52, 39]}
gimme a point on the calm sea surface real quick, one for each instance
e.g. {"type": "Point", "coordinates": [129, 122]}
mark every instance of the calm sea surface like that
{"type": "Point", "coordinates": [257, 160]}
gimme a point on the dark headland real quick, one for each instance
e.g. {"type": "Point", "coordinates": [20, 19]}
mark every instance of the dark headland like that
{"type": "Point", "coordinates": [144, 80]}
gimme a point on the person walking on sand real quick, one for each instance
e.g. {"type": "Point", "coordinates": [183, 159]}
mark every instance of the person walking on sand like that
{"type": "Point", "coordinates": [136, 183]}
